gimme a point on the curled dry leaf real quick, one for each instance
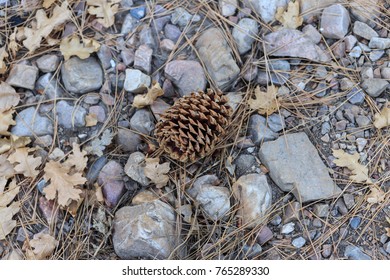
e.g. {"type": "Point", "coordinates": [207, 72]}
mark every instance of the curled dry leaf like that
{"type": "Point", "coordinates": [382, 119]}
{"type": "Point", "coordinates": [40, 247]}
{"type": "Point", "coordinates": [290, 18]}
{"type": "Point", "coordinates": [44, 26]}
{"type": "Point", "coordinates": [376, 195]}
{"type": "Point", "coordinates": [7, 212]}
{"type": "Point", "coordinates": [265, 102]}
{"type": "Point", "coordinates": [77, 159]}
{"type": "Point", "coordinates": [141, 101]}
{"type": "Point", "coordinates": [13, 142]}
{"type": "Point", "coordinates": [104, 10]}
{"type": "Point", "coordinates": [360, 172]}
{"type": "Point", "coordinates": [3, 55]}
{"type": "Point", "coordinates": [156, 171]}
{"type": "Point", "coordinates": [71, 46]}
{"type": "Point", "coordinates": [8, 97]}
{"type": "Point", "coordinates": [6, 120]}
{"type": "Point", "coordinates": [24, 163]}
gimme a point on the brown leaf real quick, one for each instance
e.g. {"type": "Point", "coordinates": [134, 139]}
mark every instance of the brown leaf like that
{"type": "Point", "coordinates": [376, 195]}
{"type": "Point", "coordinates": [13, 47]}
{"type": "Point", "coordinates": [3, 55]}
{"type": "Point", "coordinates": [71, 46]}
{"type": "Point", "coordinates": [25, 164]}
{"type": "Point", "coordinates": [360, 172]}
{"type": "Point", "coordinates": [77, 159]}
{"type": "Point", "coordinates": [8, 97]}
{"type": "Point", "coordinates": [62, 184]}
{"type": "Point", "coordinates": [141, 101]}
{"type": "Point", "coordinates": [6, 120]}
{"type": "Point", "coordinates": [47, 3]}
{"type": "Point", "coordinates": [265, 102]}
{"type": "Point", "coordinates": [90, 120]}
{"type": "Point", "coordinates": [290, 18]}
{"type": "Point", "coordinates": [382, 119]}
{"type": "Point", "coordinates": [40, 247]}
{"type": "Point", "coordinates": [7, 196]}
{"type": "Point", "coordinates": [6, 168]}
{"type": "Point", "coordinates": [157, 172]}
{"type": "Point", "coordinates": [13, 142]}
{"type": "Point", "coordinates": [6, 222]}
{"type": "Point", "coordinates": [104, 10]}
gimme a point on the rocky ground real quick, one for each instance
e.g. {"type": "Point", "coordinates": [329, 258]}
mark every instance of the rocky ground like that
{"type": "Point", "coordinates": [302, 171]}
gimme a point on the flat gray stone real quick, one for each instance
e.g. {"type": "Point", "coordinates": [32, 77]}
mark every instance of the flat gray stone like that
{"type": "Point", "coordinates": [244, 34]}
{"type": "Point", "coordinates": [127, 140]}
{"type": "Point", "coordinates": [30, 123]}
{"type": "Point", "coordinates": [134, 168]}
{"type": "Point", "coordinates": [295, 166]}
{"type": "Point", "coordinates": [142, 121]}
{"type": "Point", "coordinates": [143, 59]}
{"type": "Point", "coordinates": [364, 30]}
{"type": "Point", "coordinates": [355, 253]}
{"type": "Point", "coordinates": [364, 10]}
{"type": "Point", "coordinates": [228, 7]}
{"type": "Point", "coordinates": [49, 87]}
{"type": "Point", "coordinates": [129, 24]}
{"type": "Point", "coordinates": [23, 76]}
{"type": "Point", "coordinates": [216, 54]}
{"type": "Point", "coordinates": [48, 63]}
{"type": "Point", "coordinates": [312, 33]}
{"type": "Point", "coordinates": [335, 22]}
{"type": "Point", "coordinates": [258, 130]}
{"type": "Point", "coordinates": [266, 8]}
{"type": "Point", "coordinates": [379, 43]}
{"type": "Point", "coordinates": [314, 8]}
{"type": "Point", "coordinates": [181, 17]}
{"type": "Point", "coordinates": [70, 116]}
{"type": "Point", "coordinates": [136, 81]}
{"type": "Point", "coordinates": [145, 231]}
{"type": "Point", "coordinates": [374, 87]}
{"type": "Point", "coordinates": [111, 180]}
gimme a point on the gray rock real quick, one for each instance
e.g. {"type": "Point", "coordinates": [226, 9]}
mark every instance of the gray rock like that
{"type": "Point", "coordinates": [265, 234]}
{"type": "Point", "coordinates": [295, 166]}
{"type": "Point", "coordinates": [325, 128]}
{"type": "Point", "coordinates": [293, 43]}
{"type": "Point", "coordinates": [276, 122]}
{"type": "Point", "coordinates": [356, 96]}
{"type": "Point", "coordinates": [379, 43]}
{"type": "Point", "coordinates": [355, 253]}
{"type": "Point", "coordinates": [134, 168]}
{"type": "Point", "coordinates": [95, 168]}
{"type": "Point", "coordinates": [364, 10]}
{"type": "Point", "coordinates": [181, 17]}
{"type": "Point", "coordinates": [142, 121]}
{"type": "Point", "coordinates": [354, 222]}
{"type": "Point", "coordinates": [127, 56]}
{"type": "Point", "coordinates": [312, 33]}
{"type": "Point", "coordinates": [321, 210]}
{"type": "Point", "coordinates": [82, 75]}
{"type": "Point", "coordinates": [172, 32]}
{"type": "Point", "coordinates": [374, 87]}
{"type": "Point", "coordinates": [126, 4]}
{"type": "Point", "coordinates": [385, 73]}
{"type": "Point", "coordinates": [111, 180]}
{"type": "Point", "coordinates": [387, 247]}
{"type": "Point", "coordinates": [136, 81]}
{"type": "Point", "coordinates": [49, 87]}
{"type": "Point", "coordinates": [266, 8]}
{"type": "Point", "coordinates": [228, 7]}
{"type": "Point", "coordinates": [48, 63]}
{"type": "Point", "coordinates": [313, 8]}
{"type": "Point", "coordinates": [251, 251]}
{"type": "Point", "coordinates": [143, 59]}
{"type": "Point", "coordinates": [129, 24]}
{"type": "Point", "coordinates": [258, 130]}
{"type": "Point", "coordinates": [244, 163]}
{"type": "Point", "coordinates": [363, 30]}
{"type": "Point", "coordinates": [187, 75]}
{"type": "Point", "coordinates": [159, 107]}
{"type": "Point", "coordinates": [349, 200]}
{"type": "Point", "coordinates": [287, 228]}
{"type": "Point", "coordinates": [99, 112]}
{"type": "Point", "coordinates": [254, 196]}
{"type": "Point", "coordinates": [356, 52]}
{"type": "Point", "coordinates": [216, 54]}
{"type": "Point", "coordinates": [234, 99]}
{"type": "Point", "coordinates": [278, 73]}
{"type": "Point", "coordinates": [161, 22]}
{"type": "Point", "coordinates": [145, 231]}
{"type": "Point", "coordinates": [244, 34]}
{"type": "Point", "coordinates": [167, 45]}
{"type": "Point", "coordinates": [376, 55]}
{"type": "Point", "coordinates": [23, 76]}
{"type": "Point", "coordinates": [70, 116]}
{"type": "Point", "coordinates": [350, 42]}
{"type": "Point", "coordinates": [127, 140]}
{"type": "Point", "coordinates": [335, 22]}
{"type": "Point", "coordinates": [146, 37]}
{"type": "Point", "coordinates": [105, 56]}
{"type": "Point", "coordinates": [30, 123]}
{"type": "Point", "coordinates": [298, 242]}
{"type": "Point", "coordinates": [363, 121]}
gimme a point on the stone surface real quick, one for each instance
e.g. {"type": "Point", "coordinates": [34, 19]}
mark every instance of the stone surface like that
{"type": "Point", "coordinates": [181, 17]}
{"type": "Point", "coordinates": [143, 59]}
{"type": "Point", "coordinates": [293, 43]}
{"type": "Point", "coordinates": [48, 63]}
{"type": "Point", "coordinates": [313, 8]}
{"type": "Point", "coordinates": [136, 81]}
{"type": "Point", "coordinates": [228, 7]}
{"type": "Point", "coordinates": [172, 32]}
{"type": "Point", "coordinates": [265, 8]}
{"type": "Point", "coordinates": [187, 75]}
{"type": "Point", "coordinates": [244, 164]}
{"type": "Point", "coordinates": [99, 112]}
{"type": "Point", "coordinates": [276, 122]}
{"type": "Point", "coordinates": [312, 33]}
{"type": "Point", "coordinates": [356, 96]}
{"type": "Point", "coordinates": [145, 231]}
{"type": "Point", "coordinates": [134, 168]}
{"type": "Point", "coordinates": [70, 116]}
{"type": "Point", "coordinates": [265, 234]}
{"type": "Point", "coordinates": [30, 123]}
{"type": "Point", "coordinates": [374, 87]}
{"type": "Point", "coordinates": [321, 210]}
{"type": "Point", "coordinates": [138, 13]}
{"type": "Point", "coordinates": [142, 121]}
{"type": "Point", "coordinates": [82, 75]}
{"type": "Point", "coordinates": [105, 56]}
{"type": "Point", "coordinates": [364, 10]}
{"type": "Point", "coordinates": [335, 22]}
{"type": "Point", "coordinates": [129, 24]}
{"type": "Point", "coordinates": [216, 54]}
{"type": "Point", "coordinates": [258, 130]}
{"type": "Point", "coordinates": [298, 242]}
{"type": "Point", "coordinates": [355, 253]}
{"type": "Point", "coordinates": [127, 140]}
{"type": "Point", "coordinates": [355, 222]}
{"type": "Point", "coordinates": [295, 166]}
{"type": "Point", "coordinates": [254, 196]}
{"type": "Point", "coordinates": [287, 228]}
{"type": "Point", "coordinates": [379, 43]}
{"type": "Point", "coordinates": [278, 73]}
{"type": "Point", "coordinates": [167, 45]}
{"type": "Point", "coordinates": [111, 180]}
{"type": "Point", "coordinates": [364, 30]}
{"type": "Point", "coordinates": [244, 34]}
{"type": "Point", "coordinates": [23, 76]}
{"type": "Point", "coordinates": [49, 87]}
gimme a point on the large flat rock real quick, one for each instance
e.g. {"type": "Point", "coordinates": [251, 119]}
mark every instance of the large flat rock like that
{"type": "Point", "coordinates": [295, 165]}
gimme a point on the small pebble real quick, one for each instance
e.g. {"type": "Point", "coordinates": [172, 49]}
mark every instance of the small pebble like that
{"type": "Point", "coordinates": [288, 228]}
{"type": "Point", "coordinates": [355, 222]}
{"type": "Point", "coordinates": [298, 242]}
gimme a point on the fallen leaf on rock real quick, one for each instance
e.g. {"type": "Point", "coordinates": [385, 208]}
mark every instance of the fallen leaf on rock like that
{"type": "Point", "coordinates": [71, 46]}
{"type": "Point", "coordinates": [290, 18]}
{"type": "Point", "coordinates": [156, 171]}
{"type": "Point", "coordinates": [265, 102]}
{"type": "Point", "coordinates": [3, 55]}
{"type": "Point", "coordinates": [40, 247]}
{"type": "Point", "coordinates": [141, 101]}
{"type": "Point", "coordinates": [104, 10]}
{"type": "Point", "coordinates": [98, 145]}
{"type": "Point", "coordinates": [6, 120]}
{"type": "Point", "coordinates": [360, 172]}
{"type": "Point", "coordinates": [90, 120]}
{"type": "Point", "coordinates": [24, 163]}
{"type": "Point", "coordinates": [376, 195]}
{"type": "Point", "coordinates": [13, 142]}
{"type": "Point", "coordinates": [382, 119]}
{"type": "Point", "coordinates": [8, 97]}
{"type": "Point", "coordinates": [77, 159]}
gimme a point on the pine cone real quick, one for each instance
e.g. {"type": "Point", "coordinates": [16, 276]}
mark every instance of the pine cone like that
{"type": "Point", "coordinates": [193, 125]}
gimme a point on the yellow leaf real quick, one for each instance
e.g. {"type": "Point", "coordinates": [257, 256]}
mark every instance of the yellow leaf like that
{"type": "Point", "coordinates": [141, 101]}
{"type": "Point", "coordinates": [360, 172]}
{"type": "Point", "coordinates": [382, 119]}
{"type": "Point", "coordinates": [290, 18]}
{"type": "Point", "coordinates": [6, 119]}
{"type": "Point", "coordinates": [376, 195]}
{"type": "Point", "coordinates": [6, 222]}
{"type": "Point", "coordinates": [62, 184]}
{"type": "Point", "coordinates": [3, 55]}
{"type": "Point", "coordinates": [77, 159]}
{"type": "Point", "coordinates": [47, 3]}
{"type": "Point", "coordinates": [104, 10]}
{"type": "Point", "coordinates": [90, 120]}
{"type": "Point", "coordinates": [265, 102]}
{"type": "Point", "coordinates": [40, 247]}
{"type": "Point", "coordinates": [25, 164]}
{"type": "Point", "coordinates": [44, 26]}
{"type": "Point", "coordinates": [13, 142]}
{"type": "Point", "coordinates": [157, 172]}
{"type": "Point", "coordinates": [71, 46]}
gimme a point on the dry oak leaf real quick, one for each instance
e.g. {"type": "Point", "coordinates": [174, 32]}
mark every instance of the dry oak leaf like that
{"type": "Point", "coordinates": [44, 26]}
{"type": "Point", "coordinates": [7, 196]}
{"type": "Point", "coordinates": [360, 172]}
{"type": "Point", "coordinates": [48, 3]}
{"type": "Point", "coordinates": [265, 102]}
{"type": "Point", "coordinates": [77, 159]}
{"type": "Point", "coordinates": [3, 55]}
{"type": "Point", "coordinates": [13, 142]}
{"type": "Point", "coordinates": [62, 184]}
{"type": "Point", "coordinates": [6, 222]}
{"type": "Point", "coordinates": [141, 101]}
{"type": "Point", "coordinates": [40, 247]}
{"type": "Point", "coordinates": [290, 18]}
{"type": "Point", "coordinates": [25, 164]}
{"type": "Point", "coordinates": [71, 46]}
{"type": "Point", "coordinates": [104, 10]}
{"type": "Point", "coordinates": [6, 120]}
{"type": "Point", "coordinates": [90, 120]}
{"type": "Point", "coordinates": [376, 195]}
{"type": "Point", "coordinates": [13, 47]}
{"type": "Point", "coordinates": [382, 119]}
{"type": "Point", "coordinates": [8, 97]}
{"type": "Point", "coordinates": [6, 168]}
{"type": "Point", "coordinates": [156, 171]}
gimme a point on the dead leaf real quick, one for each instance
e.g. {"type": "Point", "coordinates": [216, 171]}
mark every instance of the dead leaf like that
{"type": "Point", "coordinates": [3, 55]}
{"type": "Point", "coordinates": [104, 10]}
{"type": "Point", "coordinates": [387, 231]}
{"type": "Point", "coordinates": [141, 101]}
{"type": "Point", "coordinates": [71, 46]}
{"type": "Point", "coordinates": [13, 47]}
{"type": "Point", "coordinates": [98, 145]}
{"type": "Point", "coordinates": [62, 184]}
{"type": "Point", "coordinates": [25, 164]}
{"type": "Point", "coordinates": [13, 256]}
{"type": "Point", "coordinates": [376, 195]}
{"type": "Point", "coordinates": [360, 172]}
{"type": "Point", "coordinates": [265, 102]}
{"type": "Point", "coordinates": [13, 142]}
{"type": "Point", "coordinates": [90, 120]}
{"type": "Point", "coordinates": [44, 26]}
{"type": "Point", "coordinates": [290, 18]}
{"type": "Point", "coordinates": [382, 119]}
{"type": "Point", "coordinates": [6, 120]}
{"type": "Point", "coordinates": [77, 159]}
{"type": "Point", "coordinates": [6, 168]}
{"type": "Point", "coordinates": [40, 247]}
{"type": "Point", "coordinates": [6, 222]}
{"type": "Point", "coordinates": [7, 196]}
{"type": "Point", "coordinates": [47, 3]}
{"type": "Point", "coordinates": [8, 97]}
{"type": "Point", "coordinates": [157, 172]}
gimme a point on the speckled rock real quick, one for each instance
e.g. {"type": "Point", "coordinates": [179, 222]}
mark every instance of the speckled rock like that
{"type": "Point", "coordinates": [48, 62]}
{"type": "Point", "coordinates": [49, 87]}
{"type": "Point", "coordinates": [143, 59]}
{"type": "Point", "coordinates": [142, 121]}
{"type": "Point", "coordinates": [30, 123]}
{"type": "Point", "coordinates": [258, 130]}
{"type": "Point", "coordinates": [134, 168]}
{"type": "Point", "coordinates": [23, 76]}
{"type": "Point", "coordinates": [136, 81]}
{"type": "Point", "coordinates": [335, 22]}
{"type": "Point", "coordinates": [70, 116]}
{"type": "Point", "coordinates": [111, 180]}
{"type": "Point", "coordinates": [244, 34]}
